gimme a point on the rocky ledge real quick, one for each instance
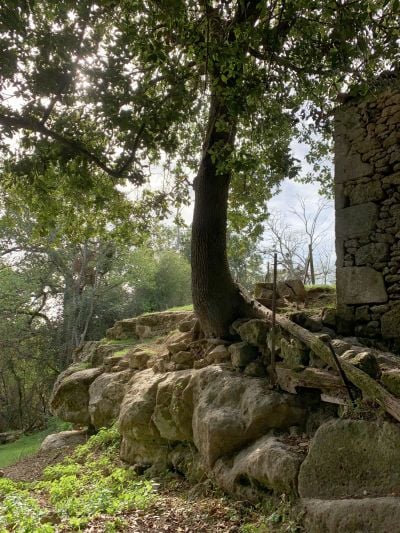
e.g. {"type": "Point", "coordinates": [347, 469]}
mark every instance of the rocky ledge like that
{"type": "Point", "coordinates": [206, 409]}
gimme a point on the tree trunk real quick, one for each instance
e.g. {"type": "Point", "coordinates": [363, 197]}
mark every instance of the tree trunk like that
{"type": "Point", "coordinates": [217, 300]}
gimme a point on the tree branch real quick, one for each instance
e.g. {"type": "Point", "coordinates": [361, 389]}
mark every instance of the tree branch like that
{"type": "Point", "coordinates": [18, 122]}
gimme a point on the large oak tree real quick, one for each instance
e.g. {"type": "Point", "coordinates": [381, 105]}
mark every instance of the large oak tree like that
{"type": "Point", "coordinates": [101, 90]}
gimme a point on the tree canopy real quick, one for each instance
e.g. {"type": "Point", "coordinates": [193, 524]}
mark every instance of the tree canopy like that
{"type": "Point", "coordinates": [96, 94]}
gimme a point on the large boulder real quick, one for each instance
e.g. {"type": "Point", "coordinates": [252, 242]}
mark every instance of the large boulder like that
{"type": "Point", "coordinates": [105, 397]}
{"type": "Point", "coordinates": [231, 411]}
{"type": "Point", "coordinates": [218, 410]}
{"type": "Point", "coordinates": [70, 397]}
{"type": "Point", "coordinates": [135, 417]}
{"type": "Point", "coordinates": [63, 439]}
{"type": "Point", "coordinates": [268, 463]}
{"type": "Point", "coordinates": [352, 458]}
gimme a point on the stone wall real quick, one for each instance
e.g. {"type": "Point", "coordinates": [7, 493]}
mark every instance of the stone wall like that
{"type": "Point", "coordinates": [367, 192]}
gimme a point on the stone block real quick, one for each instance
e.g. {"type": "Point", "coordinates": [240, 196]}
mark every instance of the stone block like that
{"type": "Point", "coordinates": [365, 361]}
{"type": "Point", "coordinates": [360, 285]}
{"type": "Point", "coordinates": [329, 317]}
{"type": "Point", "coordinates": [349, 458]}
{"type": "Point", "coordinates": [220, 354]}
{"type": "Point", "coordinates": [242, 354]}
{"type": "Point", "coordinates": [366, 192]}
{"type": "Point", "coordinates": [294, 354]}
{"type": "Point", "coordinates": [362, 314]}
{"type": "Point", "coordinates": [366, 515]}
{"type": "Point", "coordinates": [356, 221]}
{"type": "Point", "coordinates": [390, 323]}
{"type": "Point", "coordinates": [350, 167]}
{"type": "Point", "coordinates": [254, 332]}
{"type": "Point", "coordinates": [391, 380]}
{"type": "Point", "coordinates": [372, 253]}
{"type": "Point", "coordinates": [344, 317]}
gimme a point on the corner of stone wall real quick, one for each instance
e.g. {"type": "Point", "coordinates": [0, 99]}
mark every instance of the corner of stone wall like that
{"type": "Point", "coordinates": [367, 204]}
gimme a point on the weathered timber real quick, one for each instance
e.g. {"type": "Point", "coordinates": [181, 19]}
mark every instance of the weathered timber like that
{"type": "Point", "coordinates": [331, 386]}
{"type": "Point", "coordinates": [369, 387]}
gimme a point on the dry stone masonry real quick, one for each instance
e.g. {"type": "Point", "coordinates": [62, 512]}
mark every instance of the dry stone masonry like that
{"type": "Point", "coordinates": [367, 193]}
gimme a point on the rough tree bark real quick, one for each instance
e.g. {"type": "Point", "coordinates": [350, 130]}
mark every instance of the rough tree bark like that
{"type": "Point", "coordinates": [217, 299]}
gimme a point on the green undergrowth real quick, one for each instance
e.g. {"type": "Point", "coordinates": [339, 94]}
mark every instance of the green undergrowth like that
{"type": "Point", "coordinates": [276, 516]}
{"type": "Point", "coordinates": [28, 444]}
{"type": "Point", "coordinates": [85, 485]}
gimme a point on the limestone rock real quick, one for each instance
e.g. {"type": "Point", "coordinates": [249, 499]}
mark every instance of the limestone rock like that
{"type": "Point", "coordinates": [183, 358]}
{"type": "Point", "coordinates": [391, 380]}
{"type": "Point", "coordinates": [231, 410]}
{"type": "Point", "coordinates": [329, 317]}
{"type": "Point", "coordinates": [366, 515]}
{"type": "Point", "coordinates": [180, 346]}
{"type": "Point", "coordinates": [350, 457]}
{"type": "Point", "coordinates": [242, 354]}
{"type": "Point", "coordinates": [268, 463]}
{"type": "Point", "coordinates": [292, 290]}
{"type": "Point", "coordinates": [135, 417]}
{"type": "Point", "coordinates": [301, 318]}
{"type": "Point", "coordinates": [263, 290]}
{"type": "Point", "coordinates": [173, 409]}
{"type": "Point", "coordinates": [63, 439]}
{"type": "Point", "coordinates": [105, 397]}
{"type": "Point", "coordinates": [360, 285]}
{"type": "Point", "coordinates": [255, 369]}
{"type": "Point", "coordinates": [70, 396]}
{"type": "Point", "coordinates": [365, 361]}
{"type": "Point", "coordinates": [294, 353]}
{"type": "Point", "coordinates": [150, 325]}
{"type": "Point", "coordinates": [139, 358]}
{"type": "Point", "coordinates": [254, 332]}
{"type": "Point", "coordinates": [220, 354]}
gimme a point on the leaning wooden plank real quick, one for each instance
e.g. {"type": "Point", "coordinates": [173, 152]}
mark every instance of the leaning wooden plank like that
{"type": "Point", "coordinates": [330, 385]}
{"type": "Point", "coordinates": [370, 388]}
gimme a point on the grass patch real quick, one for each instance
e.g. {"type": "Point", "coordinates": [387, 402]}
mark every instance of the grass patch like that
{"type": "Point", "coordinates": [188, 307]}
{"type": "Point", "coordinates": [27, 445]}
{"type": "Point", "coordinates": [327, 288]}
{"type": "Point", "coordinates": [129, 341]}
{"type": "Point", "coordinates": [180, 308]}
{"type": "Point", "coordinates": [14, 451]}
{"type": "Point", "coordinates": [121, 353]}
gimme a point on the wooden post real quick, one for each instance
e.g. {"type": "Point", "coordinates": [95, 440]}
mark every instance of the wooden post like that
{"type": "Point", "coordinates": [273, 329]}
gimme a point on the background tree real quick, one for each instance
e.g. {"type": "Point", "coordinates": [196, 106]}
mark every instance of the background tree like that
{"type": "Point", "coordinates": [299, 244]}
{"type": "Point", "coordinates": [53, 298]}
{"type": "Point", "coordinates": [107, 89]}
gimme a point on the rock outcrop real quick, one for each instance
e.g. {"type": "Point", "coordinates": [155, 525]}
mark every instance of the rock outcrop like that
{"type": "Point", "coordinates": [206, 408]}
